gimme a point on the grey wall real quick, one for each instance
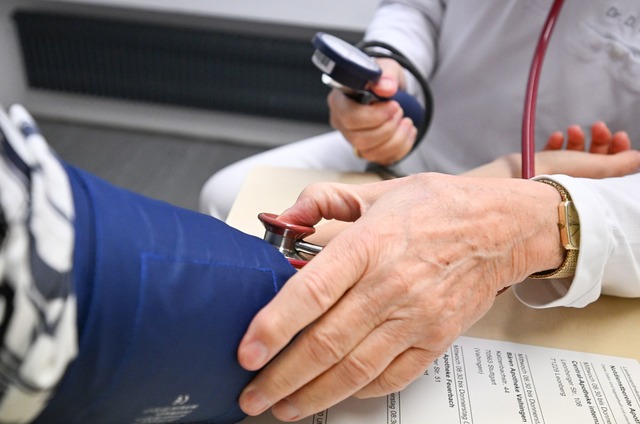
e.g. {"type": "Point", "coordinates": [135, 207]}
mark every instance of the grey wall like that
{"type": "Point", "coordinates": [12, 83]}
{"type": "Point", "coordinates": [341, 14]}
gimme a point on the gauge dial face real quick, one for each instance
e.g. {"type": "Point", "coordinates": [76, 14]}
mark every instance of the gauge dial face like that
{"type": "Point", "coordinates": [349, 52]}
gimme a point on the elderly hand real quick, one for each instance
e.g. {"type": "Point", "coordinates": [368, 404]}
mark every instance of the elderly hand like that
{"type": "Point", "coordinates": [422, 262]}
{"type": "Point", "coordinates": [379, 132]}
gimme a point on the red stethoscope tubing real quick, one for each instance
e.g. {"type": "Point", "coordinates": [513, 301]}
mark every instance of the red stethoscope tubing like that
{"type": "Point", "coordinates": [531, 95]}
{"type": "Point", "coordinates": [528, 117]}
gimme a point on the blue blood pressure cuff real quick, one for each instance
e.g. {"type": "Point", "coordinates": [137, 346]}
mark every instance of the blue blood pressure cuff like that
{"type": "Point", "coordinates": [164, 297]}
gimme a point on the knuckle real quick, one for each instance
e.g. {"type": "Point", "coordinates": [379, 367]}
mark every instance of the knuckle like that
{"type": "Point", "coordinates": [403, 288]}
{"type": "Point", "coordinates": [281, 383]}
{"type": "Point", "coordinates": [356, 371]}
{"type": "Point", "coordinates": [359, 139]}
{"type": "Point", "coordinates": [323, 348]}
{"type": "Point", "coordinates": [311, 189]}
{"type": "Point", "coordinates": [317, 293]}
{"type": "Point", "coordinates": [414, 362]}
{"type": "Point", "coordinates": [316, 191]}
{"type": "Point", "coordinates": [272, 324]}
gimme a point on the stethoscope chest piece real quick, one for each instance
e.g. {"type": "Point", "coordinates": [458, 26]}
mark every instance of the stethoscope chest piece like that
{"type": "Point", "coordinates": [288, 239]}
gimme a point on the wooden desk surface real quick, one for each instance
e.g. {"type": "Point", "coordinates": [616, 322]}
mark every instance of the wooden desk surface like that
{"type": "Point", "coordinates": [609, 326]}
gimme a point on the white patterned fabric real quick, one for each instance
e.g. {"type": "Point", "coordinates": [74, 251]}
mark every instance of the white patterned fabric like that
{"type": "Point", "coordinates": [38, 332]}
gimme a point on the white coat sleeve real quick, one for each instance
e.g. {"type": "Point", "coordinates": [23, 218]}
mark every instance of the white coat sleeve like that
{"type": "Point", "coordinates": [609, 258]}
{"type": "Point", "coordinates": [412, 27]}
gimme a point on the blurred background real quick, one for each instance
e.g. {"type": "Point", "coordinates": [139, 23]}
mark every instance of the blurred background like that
{"type": "Point", "coordinates": [156, 95]}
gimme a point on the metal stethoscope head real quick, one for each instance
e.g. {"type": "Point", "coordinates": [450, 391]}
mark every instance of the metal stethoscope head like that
{"type": "Point", "coordinates": [288, 239]}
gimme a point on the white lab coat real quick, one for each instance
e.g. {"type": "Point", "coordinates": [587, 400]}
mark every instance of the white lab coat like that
{"type": "Point", "coordinates": [477, 55]}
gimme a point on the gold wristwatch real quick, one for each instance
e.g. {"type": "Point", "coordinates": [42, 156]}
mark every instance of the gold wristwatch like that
{"type": "Point", "coordinates": [569, 226]}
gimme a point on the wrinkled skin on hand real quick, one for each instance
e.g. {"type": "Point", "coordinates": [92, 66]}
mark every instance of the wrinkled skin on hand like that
{"type": "Point", "coordinates": [422, 262]}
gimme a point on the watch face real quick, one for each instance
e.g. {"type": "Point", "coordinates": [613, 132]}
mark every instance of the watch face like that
{"type": "Point", "coordinates": [569, 220]}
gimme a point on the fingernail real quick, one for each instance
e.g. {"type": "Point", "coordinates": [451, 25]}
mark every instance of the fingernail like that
{"type": "Point", "coordinates": [386, 83]}
{"type": "Point", "coordinates": [285, 410]}
{"type": "Point", "coordinates": [254, 355]}
{"type": "Point", "coordinates": [253, 402]}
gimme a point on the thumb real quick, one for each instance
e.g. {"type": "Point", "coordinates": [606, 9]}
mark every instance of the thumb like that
{"type": "Point", "coordinates": [391, 80]}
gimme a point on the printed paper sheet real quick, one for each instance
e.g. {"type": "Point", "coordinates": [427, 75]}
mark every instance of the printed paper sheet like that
{"type": "Point", "coordinates": [483, 381]}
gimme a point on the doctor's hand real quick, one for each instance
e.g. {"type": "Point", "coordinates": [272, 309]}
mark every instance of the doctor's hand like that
{"type": "Point", "coordinates": [422, 262]}
{"type": "Point", "coordinates": [603, 141]}
{"type": "Point", "coordinates": [608, 155]}
{"type": "Point", "coordinates": [378, 132]}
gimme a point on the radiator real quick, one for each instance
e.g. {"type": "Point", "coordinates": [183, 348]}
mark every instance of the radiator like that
{"type": "Point", "coordinates": [167, 64]}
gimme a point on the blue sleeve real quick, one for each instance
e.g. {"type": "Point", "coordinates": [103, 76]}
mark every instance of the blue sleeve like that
{"type": "Point", "coordinates": [164, 296]}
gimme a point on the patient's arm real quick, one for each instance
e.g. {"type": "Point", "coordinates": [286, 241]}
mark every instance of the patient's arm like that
{"type": "Point", "coordinates": [118, 308]}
